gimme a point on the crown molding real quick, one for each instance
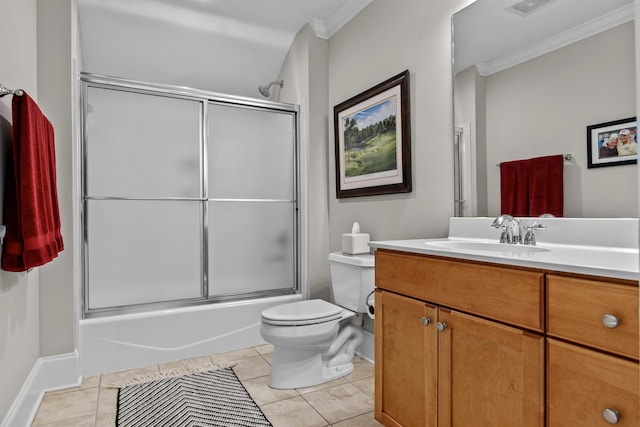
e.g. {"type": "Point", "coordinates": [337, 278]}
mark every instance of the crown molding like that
{"type": "Point", "coordinates": [319, 29]}
{"type": "Point", "coordinates": [349, 9]}
{"type": "Point", "coordinates": [589, 28]}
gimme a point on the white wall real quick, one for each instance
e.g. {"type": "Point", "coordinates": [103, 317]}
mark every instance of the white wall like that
{"type": "Point", "coordinates": [543, 106]}
{"type": "Point", "coordinates": [385, 39]}
{"type": "Point", "coordinates": [19, 307]}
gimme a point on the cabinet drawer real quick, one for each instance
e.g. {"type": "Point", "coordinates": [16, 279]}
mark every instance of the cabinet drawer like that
{"type": "Point", "coordinates": [575, 310]}
{"type": "Point", "coordinates": [510, 295]}
{"type": "Point", "coordinates": [582, 383]}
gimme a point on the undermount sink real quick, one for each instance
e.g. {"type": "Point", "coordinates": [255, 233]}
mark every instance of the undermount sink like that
{"type": "Point", "coordinates": [456, 245]}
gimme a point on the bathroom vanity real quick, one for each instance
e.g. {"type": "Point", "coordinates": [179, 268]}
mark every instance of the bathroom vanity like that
{"type": "Point", "coordinates": [507, 336]}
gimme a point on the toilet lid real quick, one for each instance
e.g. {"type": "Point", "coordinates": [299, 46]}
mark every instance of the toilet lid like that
{"type": "Point", "coordinates": [302, 313]}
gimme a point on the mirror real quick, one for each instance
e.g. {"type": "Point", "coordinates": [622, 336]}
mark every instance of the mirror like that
{"type": "Point", "coordinates": [529, 83]}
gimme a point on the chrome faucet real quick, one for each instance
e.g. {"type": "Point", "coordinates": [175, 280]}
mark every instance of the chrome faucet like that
{"type": "Point", "coordinates": [510, 226]}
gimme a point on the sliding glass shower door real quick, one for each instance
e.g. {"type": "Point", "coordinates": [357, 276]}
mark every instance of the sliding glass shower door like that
{"type": "Point", "coordinates": [252, 205]}
{"type": "Point", "coordinates": [187, 197]}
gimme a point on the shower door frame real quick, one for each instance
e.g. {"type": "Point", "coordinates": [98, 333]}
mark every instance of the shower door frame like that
{"type": "Point", "coordinates": [88, 80]}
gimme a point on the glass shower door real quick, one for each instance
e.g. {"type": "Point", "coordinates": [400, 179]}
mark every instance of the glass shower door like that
{"type": "Point", "coordinates": [187, 197]}
{"type": "Point", "coordinates": [142, 198]}
{"type": "Point", "coordinates": [251, 157]}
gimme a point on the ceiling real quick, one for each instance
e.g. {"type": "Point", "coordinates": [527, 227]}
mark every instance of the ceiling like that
{"type": "Point", "coordinates": [489, 35]}
{"type": "Point", "coordinates": [225, 46]}
{"type": "Point", "coordinates": [234, 46]}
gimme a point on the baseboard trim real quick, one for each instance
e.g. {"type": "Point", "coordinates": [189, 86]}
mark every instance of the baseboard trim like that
{"type": "Point", "coordinates": [48, 373]}
{"type": "Point", "coordinates": [366, 349]}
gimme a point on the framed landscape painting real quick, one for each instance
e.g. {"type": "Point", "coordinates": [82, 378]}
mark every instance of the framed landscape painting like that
{"type": "Point", "coordinates": [373, 141]}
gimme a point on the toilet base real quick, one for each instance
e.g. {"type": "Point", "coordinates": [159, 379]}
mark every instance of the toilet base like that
{"type": "Point", "coordinates": [294, 368]}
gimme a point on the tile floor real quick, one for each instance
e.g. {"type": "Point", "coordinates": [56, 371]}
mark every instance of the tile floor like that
{"type": "Point", "coordinates": [346, 402]}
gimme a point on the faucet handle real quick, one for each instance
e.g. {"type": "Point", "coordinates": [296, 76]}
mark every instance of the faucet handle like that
{"type": "Point", "coordinates": [535, 226]}
{"type": "Point", "coordinates": [529, 237]}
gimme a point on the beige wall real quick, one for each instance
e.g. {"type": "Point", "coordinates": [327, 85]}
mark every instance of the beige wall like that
{"type": "Point", "coordinates": [385, 39]}
{"type": "Point", "coordinates": [470, 116]}
{"type": "Point", "coordinates": [19, 307]}
{"type": "Point", "coordinates": [37, 309]}
{"type": "Point", "coordinates": [543, 106]}
{"type": "Point", "coordinates": [305, 82]}
{"type": "Point", "coordinates": [55, 47]}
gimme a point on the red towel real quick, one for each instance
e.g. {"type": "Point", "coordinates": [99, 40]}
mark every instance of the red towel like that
{"type": "Point", "coordinates": [514, 188]}
{"type": "Point", "coordinates": [31, 211]}
{"type": "Point", "coordinates": [546, 185]}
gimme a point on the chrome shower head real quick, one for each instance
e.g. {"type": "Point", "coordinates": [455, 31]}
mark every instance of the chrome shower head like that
{"type": "Point", "coordinates": [265, 90]}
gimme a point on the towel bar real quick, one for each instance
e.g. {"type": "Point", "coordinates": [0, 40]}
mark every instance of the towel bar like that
{"type": "Point", "coordinates": [4, 91]}
{"type": "Point", "coordinates": [567, 157]}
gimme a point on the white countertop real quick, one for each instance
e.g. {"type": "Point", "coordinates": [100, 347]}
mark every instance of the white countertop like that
{"type": "Point", "coordinates": [614, 255]}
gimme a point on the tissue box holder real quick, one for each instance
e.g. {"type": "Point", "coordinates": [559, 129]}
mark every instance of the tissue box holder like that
{"type": "Point", "coordinates": [354, 244]}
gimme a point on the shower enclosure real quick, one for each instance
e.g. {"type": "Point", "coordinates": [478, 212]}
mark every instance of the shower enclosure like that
{"type": "Point", "coordinates": [188, 197]}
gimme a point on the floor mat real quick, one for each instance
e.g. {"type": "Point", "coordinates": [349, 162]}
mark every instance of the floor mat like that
{"type": "Point", "coordinates": [211, 398]}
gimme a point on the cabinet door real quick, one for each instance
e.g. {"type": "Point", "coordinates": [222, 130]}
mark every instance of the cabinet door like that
{"type": "Point", "coordinates": [582, 383]}
{"type": "Point", "coordinates": [406, 363]}
{"type": "Point", "coordinates": [490, 374]}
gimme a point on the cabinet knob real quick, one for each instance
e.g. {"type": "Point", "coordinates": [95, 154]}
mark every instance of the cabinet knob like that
{"type": "Point", "coordinates": [440, 326]}
{"type": "Point", "coordinates": [611, 416]}
{"type": "Point", "coordinates": [610, 321]}
{"type": "Point", "coordinates": [425, 321]}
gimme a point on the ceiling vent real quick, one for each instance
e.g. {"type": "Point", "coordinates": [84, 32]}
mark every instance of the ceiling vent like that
{"type": "Point", "coordinates": [526, 7]}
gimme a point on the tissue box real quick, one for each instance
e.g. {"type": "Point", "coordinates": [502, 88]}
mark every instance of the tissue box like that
{"type": "Point", "coordinates": [354, 244]}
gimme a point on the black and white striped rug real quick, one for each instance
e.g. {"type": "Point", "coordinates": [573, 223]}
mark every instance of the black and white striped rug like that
{"type": "Point", "coordinates": [211, 398]}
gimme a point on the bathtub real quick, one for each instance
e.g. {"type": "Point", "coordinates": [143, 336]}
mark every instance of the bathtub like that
{"type": "Point", "coordinates": [126, 341]}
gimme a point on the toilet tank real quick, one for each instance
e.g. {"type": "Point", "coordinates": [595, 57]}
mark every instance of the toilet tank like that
{"type": "Point", "coordinates": [351, 280]}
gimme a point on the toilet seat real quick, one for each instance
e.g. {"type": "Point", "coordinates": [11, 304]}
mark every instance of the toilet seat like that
{"type": "Point", "coordinates": [308, 312]}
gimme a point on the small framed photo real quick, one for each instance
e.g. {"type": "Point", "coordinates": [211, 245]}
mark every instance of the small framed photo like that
{"type": "Point", "coordinates": [373, 141]}
{"type": "Point", "coordinates": [612, 143]}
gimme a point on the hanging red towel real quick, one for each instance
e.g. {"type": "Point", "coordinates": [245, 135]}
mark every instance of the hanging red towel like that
{"type": "Point", "coordinates": [514, 188]}
{"type": "Point", "coordinates": [546, 185]}
{"type": "Point", "coordinates": [31, 211]}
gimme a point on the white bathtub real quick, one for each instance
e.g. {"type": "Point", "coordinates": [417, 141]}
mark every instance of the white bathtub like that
{"type": "Point", "coordinates": [114, 343]}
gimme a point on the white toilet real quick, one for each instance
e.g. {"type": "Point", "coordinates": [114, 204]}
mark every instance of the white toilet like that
{"type": "Point", "coordinates": [314, 341]}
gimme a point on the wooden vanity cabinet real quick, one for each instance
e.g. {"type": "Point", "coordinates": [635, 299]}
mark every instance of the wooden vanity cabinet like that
{"type": "Point", "coordinates": [461, 343]}
{"type": "Point", "coordinates": [441, 359]}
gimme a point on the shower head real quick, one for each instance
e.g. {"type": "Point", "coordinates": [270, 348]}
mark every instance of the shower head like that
{"type": "Point", "coordinates": [265, 90]}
